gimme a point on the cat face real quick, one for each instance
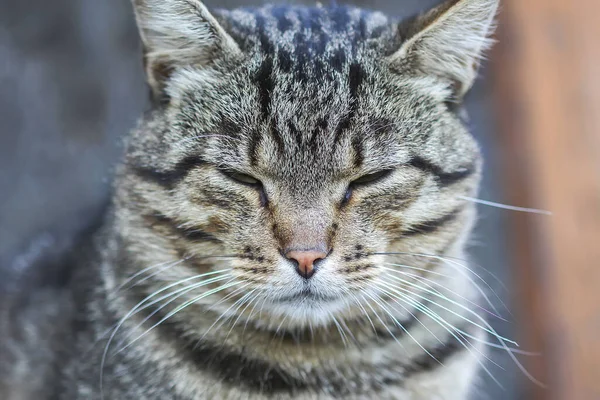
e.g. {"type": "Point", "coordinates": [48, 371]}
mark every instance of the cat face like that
{"type": "Point", "coordinates": [298, 146]}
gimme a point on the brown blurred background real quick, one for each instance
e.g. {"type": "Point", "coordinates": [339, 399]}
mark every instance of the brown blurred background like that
{"type": "Point", "coordinates": [72, 85]}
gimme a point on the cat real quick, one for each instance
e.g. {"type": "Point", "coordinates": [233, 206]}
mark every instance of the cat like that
{"type": "Point", "coordinates": [289, 219]}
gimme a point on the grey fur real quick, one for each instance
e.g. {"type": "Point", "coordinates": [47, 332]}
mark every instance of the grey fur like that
{"type": "Point", "coordinates": [306, 101]}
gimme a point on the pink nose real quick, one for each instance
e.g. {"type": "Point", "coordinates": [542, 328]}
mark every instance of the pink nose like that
{"type": "Point", "coordinates": [306, 261]}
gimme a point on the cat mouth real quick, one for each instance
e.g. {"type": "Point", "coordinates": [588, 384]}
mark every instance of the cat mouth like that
{"type": "Point", "coordinates": [306, 294]}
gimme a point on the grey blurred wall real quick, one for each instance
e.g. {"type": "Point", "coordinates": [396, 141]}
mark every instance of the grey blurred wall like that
{"type": "Point", "coordinates": [71, 86]}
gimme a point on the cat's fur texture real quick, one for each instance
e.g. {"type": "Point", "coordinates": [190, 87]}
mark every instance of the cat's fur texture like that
{"type": "Point", "coordinates": [274, 129]}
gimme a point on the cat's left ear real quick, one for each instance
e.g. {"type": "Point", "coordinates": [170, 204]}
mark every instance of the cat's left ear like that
{"type": "Point", "coordinates": [447, 42]}
{"type": "Point", "coordinates": [179, 33]}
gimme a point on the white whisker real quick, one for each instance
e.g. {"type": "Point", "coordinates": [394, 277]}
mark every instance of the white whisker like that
{"type": "Point", "coordinates": [240, 301]}
{"type": "Point", "coordinates": [179, 293]}
{"type": "Point", "coordinates": [502, 341]}
{"type": "Point", "coordinates": [249, 302]}
{"type": "Point", "coordinates": [364, 311]}
{"type": "Point", "coordinates": [430, 282]}
{"type": "Point", "coordinates": [396, 300]}
{"type": "Point", "coordinates": [505, 206]}
{"type": "Point", "coordinates": [444, 324]}
{"type": "Point", "coordinates": [134, 309]}
{"type": "Point", "coordinates": [406, 330]}
{"type": "Point", "coordinates": [395, 320]}
{"type": "Point", "coordinates": [461, 306]}
{"type": "Point", "coordinates": [381, 321]}
{"type": "Point", "coordinates": [340, 331]}
{"type": "Point", "coordinates": [454, 264]}
{"type": "Point", "coordinates": [181, 307]}
{"type": "Point", "coordinates": [168, 264]}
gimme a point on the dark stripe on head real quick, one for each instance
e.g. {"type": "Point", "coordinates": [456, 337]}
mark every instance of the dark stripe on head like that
{"type": "Point", "coordinates": [357, 146]}
{"type": "Point", "coordinates": [302, 56]}
{"type": "Point", "coordinates": [341, 19]}
{"type": "Point", "coordinates": [283, 22]}
{"type": "Point", "coordinates": [266, 85]}
{"type": "Point", "coordinates": [356, 75]}
{"type": "Point", "coordinates": [319, 129]}
{"type": "Point", "coordinates": [264, 81]}
{"type": "Point", "coordinates": [266, 45]}
{"type": "Point", "coordinates": [284, 60]}
{"type": "Point", "coordinates": [294, 132]}
{"type": "Point", "coordinates": [189, 233]}
{"type": "Point", "coordinates": [432, 225]}
{"type": "Point", "coordinates": [338, 59]}
{"type": "Point", "coordinates": [445, 178]}
{"type": "Point", "coordinates": [252, 147]}
{"type": "Point", "coordinates": [211, 197]}
{"type": "Point", "coordinates": [169, 178]}
{"type": "Point", "coordinates": [277, 138]}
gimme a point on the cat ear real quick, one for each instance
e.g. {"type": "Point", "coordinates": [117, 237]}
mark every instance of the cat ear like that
{"type": "Point", "coordinates": [178, 33]}
{"type": "Point", "coordinates": [448, 42]}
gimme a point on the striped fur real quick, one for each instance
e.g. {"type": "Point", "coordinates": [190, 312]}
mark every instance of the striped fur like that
{"type": "Point", "coordinates": [306, 101]}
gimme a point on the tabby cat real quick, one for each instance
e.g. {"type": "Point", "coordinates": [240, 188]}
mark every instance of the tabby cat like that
{"type": "Point", "coordinates": [289, 220]}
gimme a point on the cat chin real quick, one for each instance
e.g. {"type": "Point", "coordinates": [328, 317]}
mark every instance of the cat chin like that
{"type": "Point", "coordinates": [303, 312]}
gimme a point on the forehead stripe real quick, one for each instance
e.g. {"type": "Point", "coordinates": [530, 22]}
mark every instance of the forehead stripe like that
{"type": "Point", "coordinates": [356, 75]}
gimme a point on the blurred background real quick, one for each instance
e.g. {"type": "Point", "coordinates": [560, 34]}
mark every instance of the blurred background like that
{"type": "Point", "coordinates": [72, 86]}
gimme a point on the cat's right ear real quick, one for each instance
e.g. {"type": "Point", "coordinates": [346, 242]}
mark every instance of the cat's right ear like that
{"type": "Point", "coordinates": [179, 33]}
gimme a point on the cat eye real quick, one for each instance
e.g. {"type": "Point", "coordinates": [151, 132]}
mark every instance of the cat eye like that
{"type": "Point", "coordinates": [247, 180]}
{"type": "Point", "coordinates": [244, 179]}
{"type": "Point", "coordinates": [371, 178]}
{"type": "Point", "coordinates": [365, 180]}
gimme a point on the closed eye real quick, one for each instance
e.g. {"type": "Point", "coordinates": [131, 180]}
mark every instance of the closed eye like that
{"type": "Point", "coordinates": [373, 178]}
{"type": "Point", "coordinates": [242, 178]}
{"type": "Point", "coordinates": [248, 180]}
{"type": "Point", "coordinates": [365, 180]}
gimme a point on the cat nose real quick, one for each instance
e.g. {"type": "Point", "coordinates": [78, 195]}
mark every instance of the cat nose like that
{"type": "Point", "coordinates": [305, 261]}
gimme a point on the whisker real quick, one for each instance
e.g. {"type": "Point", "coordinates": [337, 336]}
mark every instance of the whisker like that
{"type": "Point", "coordinates": [339, 329]}
{"type": "Point", "coordinates": [181, 307]}
{"type": "Point", "coordinates": [402, 294]}
{"type": "Point", "coordinates": [402, 327]}
{"type": "Point", "coordinates": [364, 293]}
{"type": "Point", "coordinates": [364, 311]}
{"type": "Point", "coordinates": [432, 282]}
{"type": "Point", "coordinates": [252, 312]}
{"type": "Point", "coordinates": [495, 345]}
{"type": "Point", "coordinates": [502, 341]}
{"type": "Point", "coordinates": [240, 300]}
{"type": "Point", "coordinates": [347, 329]}
{"type": "Point", "coordinates": [470, 262]}
{"type": "Point", "coordinates": [279, 327]}
{"type": "Point", "coordinates": [454, 264]}
{"type": "Point", "coordinates": [444, 324]}
{"type": "Point", "coordinates": [497, 280]}
{"type": "Point", "coordinates": [134, 309]}
{"type": "Point", "coordinates": [249, 302]}
{"type": "Point", "coordinates": [463, 307]}
{"type": "Point", "coordinates": [225, 298]}
{"type": "Point", "coordinates": [396, 300]}
{"type": "Point", "coordinates": [167, 263]}
{"type": "Point", "coordinates": [422, 270]}
{"type": "Point", "coordinates": [179, 293]}
{"type": "Point", "coordinates": [165, 266]}
{"type": "Point", "coordinates": [505, 206]}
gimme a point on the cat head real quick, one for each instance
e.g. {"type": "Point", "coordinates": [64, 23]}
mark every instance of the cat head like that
{"type": "Point", "coordinates": [291, 148]}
